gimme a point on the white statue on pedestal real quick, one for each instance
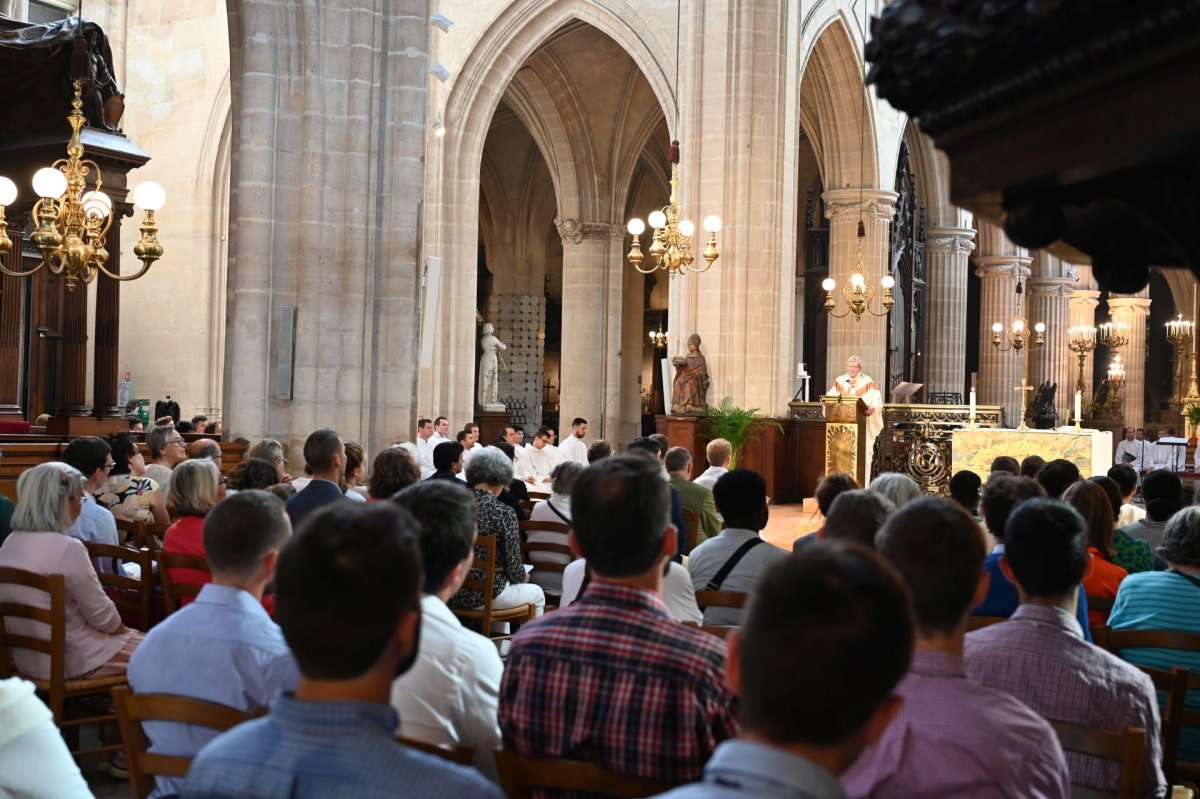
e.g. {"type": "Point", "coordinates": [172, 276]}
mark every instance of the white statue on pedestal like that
{"type": "Point", "coordinates": [489, 370]}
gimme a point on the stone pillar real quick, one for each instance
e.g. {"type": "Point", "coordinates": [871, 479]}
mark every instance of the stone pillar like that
{"type": "Point", "coordinates": [947, 254]}
{"type": "Point", "coordinates": [1082, 309]}
{"type": "Point", "coordinates": [1047, 300]}
{"type": "Point", "coordinates": [1133, 311]}
{"type": "Point", "coordinates": [582, 370]}
{"type": "Point", "coordinates": [1000, 264]}
{"type": "Point", "coordinates": [866, 337]}
{"type": "Point", "coordinates": [329, 142]}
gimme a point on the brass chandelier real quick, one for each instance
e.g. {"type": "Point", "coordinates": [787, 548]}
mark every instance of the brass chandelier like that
{"type": "Point", "coordinates": [858, 293]}
{"type": "Point", "coordinates": [73, 220]}
{"type": "Point", "coordinates": [671, 247]}
{"type": "Point", "coordinates": [1018, 335]}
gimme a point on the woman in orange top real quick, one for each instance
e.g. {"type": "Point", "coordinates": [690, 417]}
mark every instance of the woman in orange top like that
{"type": "Point", "coordinates": [1103, 577]}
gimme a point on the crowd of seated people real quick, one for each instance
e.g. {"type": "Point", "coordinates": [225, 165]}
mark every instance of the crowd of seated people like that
{"type": "Point", "coordinates": [856, 666]}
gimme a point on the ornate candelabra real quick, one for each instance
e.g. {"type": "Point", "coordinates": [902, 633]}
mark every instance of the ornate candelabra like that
{"type": "Point", "coordinates": [1018, 335]}
{"type": "Point", "coordinates": [859, 294]}
{"type": "Point", "coordinates": [658, 339]}
{"type": "Point", "coordinates": [1112, 335]}
{"type": "Point", "coordinates": [72, 220]}
{"type": "Point", "coordinates": [1081, 339]}
{"type": "Point", "coordinates": [1179, 333]}
{"type": "Point", "coordinates": [1116, 383]}
{"type": "Point", "coordinates": [671, 247]}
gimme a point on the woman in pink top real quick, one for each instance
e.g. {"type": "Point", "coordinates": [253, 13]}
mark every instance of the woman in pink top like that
{"type": "Point", "coordinates": [195, 490]}
{"type": "Point", "coordinates": [98, 644]}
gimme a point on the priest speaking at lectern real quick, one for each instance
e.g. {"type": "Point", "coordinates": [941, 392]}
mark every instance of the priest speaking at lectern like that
{"type": "Point", "coordinates": [856, 384]}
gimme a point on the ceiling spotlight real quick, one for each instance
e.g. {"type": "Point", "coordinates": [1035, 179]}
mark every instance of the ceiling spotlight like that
{"type": "Point", "coordinates": [441, 22]}
{"type": "Point", "coordinates": [439, 129]}
{"type": "Point", "coordinates": [440, 72]}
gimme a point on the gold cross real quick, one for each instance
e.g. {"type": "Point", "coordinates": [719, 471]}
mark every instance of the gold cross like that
{"type": "Point", "coordinates": [1024, 387]}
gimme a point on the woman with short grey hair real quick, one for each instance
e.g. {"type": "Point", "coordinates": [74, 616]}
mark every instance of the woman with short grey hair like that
{"type": "Point", "coordinates": [98, 644]}
{"type": "Point", "coordinates": [271, 451]}
{"type": "Point", "coordinates": [488, 473]}
{"type": "Point", "coordinates": [897, 487]}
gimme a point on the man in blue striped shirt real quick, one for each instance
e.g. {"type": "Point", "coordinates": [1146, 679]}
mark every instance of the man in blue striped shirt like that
{"type": "Point", "coordinates": [1167, 600]}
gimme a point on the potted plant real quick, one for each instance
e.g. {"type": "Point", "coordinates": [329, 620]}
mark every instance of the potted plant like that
{"type": "Point", "coordinates": [1192, 412]}
{"type": "Point", "coordinates": [735, 425]}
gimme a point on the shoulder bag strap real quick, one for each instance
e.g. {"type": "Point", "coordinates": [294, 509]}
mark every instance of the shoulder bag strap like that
{"type": "Point", "coordinates": [556, 512]}
{"type": "Point", "coordinates": [715, 583]}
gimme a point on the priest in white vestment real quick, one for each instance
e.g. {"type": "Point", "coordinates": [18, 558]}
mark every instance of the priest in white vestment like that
{"type": "Point", "coordinates": [856, 384]}
{"type": "Point", "coordinates": [537, 461]}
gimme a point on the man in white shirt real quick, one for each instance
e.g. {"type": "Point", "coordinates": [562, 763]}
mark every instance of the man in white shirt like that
{"type": "Point", "coordinates": [538, 461]}
{"type": "Point", "coordinates": [469, 438]}
{"type": "Point", "coordinates": [717, 453]}
{"type": "Point", "coordinates": [441, 430]}
{"type": "Point", "coordinates": [1134, 445]}
{"type": "Point", "coordinates": [573, 449]}
{"type": "Point", "coordinates": [519, 444]}
{"type": "Point", "coordinates": [93, 458]}
{"type": "Point", "coordinates": [1167, 456]}
{"type": "Point", "coordinates": [425, 445]}
{"type": "Point", "coordinates": [450, 695]}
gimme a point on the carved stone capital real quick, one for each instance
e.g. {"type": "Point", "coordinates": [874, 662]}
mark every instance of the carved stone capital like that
{"type": "Point", "coordinates": [1050, 286]}
{"type": "Point", "coordinates": [1131, 306]}
{"type": "Point", "coordinates": [870, 203]}
{"type": "Point", "coordinates": [1002, 266]}
{"type": "Point", "coordinates": [953, 240]}
{"type": "Point", "coordinates": [574, 231]}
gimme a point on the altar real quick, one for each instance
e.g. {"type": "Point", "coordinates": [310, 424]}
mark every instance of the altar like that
{"type": "Point", "coordinates": [1090, 450]}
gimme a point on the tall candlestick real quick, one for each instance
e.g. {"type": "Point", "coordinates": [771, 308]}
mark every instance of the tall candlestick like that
{"type": "Point", "coordinates": [1078, 408]}
{"type": "Point", "coordinates": [971, 418]}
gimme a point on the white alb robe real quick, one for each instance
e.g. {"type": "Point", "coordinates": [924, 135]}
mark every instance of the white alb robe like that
{"type": "Point", "coordinates": [865, 389]}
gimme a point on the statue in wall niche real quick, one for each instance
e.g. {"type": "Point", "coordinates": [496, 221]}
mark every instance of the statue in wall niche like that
{"type": "Point", "coordinates": [689, 392]}
{"type": "Point", "coordinates": [489, 370]}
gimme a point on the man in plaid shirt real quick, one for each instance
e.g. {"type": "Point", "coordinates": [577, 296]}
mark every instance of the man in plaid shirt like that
{"type": "Point", "coordinates": [612, 679]}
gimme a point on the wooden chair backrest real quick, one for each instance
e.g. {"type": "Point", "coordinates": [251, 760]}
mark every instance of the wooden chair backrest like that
{"type": "Point", "coordinates": [1128, 748]}
{"type": "Point", "coordinates": [1173, 683]}
{"type": "Point", "coordinates": [486, 586]}
{"type": "Point", "coordinates": [133, 709]}
{"type": "Point", "coordinates": [151, 534]}
{"type": "Point", "coordinates": [462, 755]}
{"type": "Point", "coordinates": [1116, 640]}
{"type": "Point", "coordinates": [519, 776]}
{"type": "Point", "coordinates": [1101, 603]}
{"type": "Point", "coordinates": [528, 547]}
{"type": "Point", "coordinates": [128, 532]}
{"type": "Point", "coordinates": [979, 622]}
{"type": "Point", "coordinates": [133, 595]}
{"type": "Point", "coordinates": [691, 528]}
{"type": "Point", "coordinates": [173, 591]}
{"type": "Point", "coordinates": [721, 599]}
{"type": "Point", "coordinates": [530, 526]}
{"type": "Point", "coordinates": [721, 631]}
{"type": "Point", "coordinates": [54, 640]}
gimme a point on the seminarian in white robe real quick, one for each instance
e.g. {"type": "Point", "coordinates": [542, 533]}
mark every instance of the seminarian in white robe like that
{"type": "Point", "coordinates": [856, 384]}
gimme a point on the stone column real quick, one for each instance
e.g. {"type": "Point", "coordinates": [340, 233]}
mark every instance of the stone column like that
{"type": "Point", "coordinates": [1133, 311]}
{"type": "Point", "coordinates": [947, 254]}
{"type": "Point", "coordinates": [866, 337]}
{"type": "Point", "coordinates": [329, 142]}
{"type": "Point", "coordinates": [1000, 264]}
{"type": "Point", "coordinates": [1082, 309]}
{"type": "Point", "coordinates": [1047, 301]}
{"type": "Point", "coordinates": [582, 370]}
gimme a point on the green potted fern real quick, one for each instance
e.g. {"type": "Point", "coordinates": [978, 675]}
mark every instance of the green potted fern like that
{"type": "Point", "coordinates": [1192, 412]}
{"type": "Point", "coordinates": [735, 425]}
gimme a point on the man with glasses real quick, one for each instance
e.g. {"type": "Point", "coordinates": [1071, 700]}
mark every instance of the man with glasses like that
{"type": "Point", "coordinates": [538, 460]}
{"type": "Point", "coordinates": [93, 458]}
{"type": "Point", "coordinates": [167, 450]}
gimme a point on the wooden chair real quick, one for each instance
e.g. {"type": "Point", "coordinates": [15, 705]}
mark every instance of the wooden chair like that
{"type": "Point", "coordinates": [133, 709]}
{"type": "Point", "coordinates": [691, 528]}
{"type": "Point", "coordinates": [1126, 747]}
{"type": "Point", "coordinates": [721, 631]}
{"type": "Point", "coordinates": [52, 641]}
{"type": "Point", "coordinates": [131, 596]}
{"type": "Point", "coordinates": [174, 591]}
{"type": "Point", "coordinates": [462, 755]}
{"type": "Point", "coordinates": [1101, 603]}
{"type": "Point", "coordinates": [1174, 685]}
{"type": "Point", "coordinates": [543, 565]}
{"type": "Point", "coordinates": [520, 776]}
{"type": "Point", "coordinates": [721, 599]}
{"type": "Point", "coordinates": [151, 534]}
{"type": "Point", "coordinates": [979, 622]}
{"type": "Point", "coordinates": [487, 615]}
{"type": "Point", "coordinates": [526, 505]}
{"type": "Point", "coordinates": [128, 532]}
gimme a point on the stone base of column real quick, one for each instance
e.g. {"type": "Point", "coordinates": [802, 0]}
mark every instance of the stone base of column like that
{"type": "Point", "coordinates": [84, 426]}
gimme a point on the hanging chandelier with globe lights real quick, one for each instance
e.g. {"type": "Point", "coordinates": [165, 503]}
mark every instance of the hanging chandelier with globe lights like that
{"type": "Point", "coordinates": [671, 246]}
{"type": "Point", "coordinates": [72, 220]}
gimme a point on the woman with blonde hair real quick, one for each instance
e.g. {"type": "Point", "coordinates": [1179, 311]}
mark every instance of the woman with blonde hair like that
{"type": "Point", "coordinates": [98, 644]}
{"type": "Point", "coordinates": [195, 490]}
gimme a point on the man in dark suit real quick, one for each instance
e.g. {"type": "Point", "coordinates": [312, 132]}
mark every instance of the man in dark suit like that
{"type": "Point", "coordinates": [325, 456]}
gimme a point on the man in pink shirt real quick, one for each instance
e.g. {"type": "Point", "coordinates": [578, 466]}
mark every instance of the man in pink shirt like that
{"type": "Point", "coordinates": [953, 738]}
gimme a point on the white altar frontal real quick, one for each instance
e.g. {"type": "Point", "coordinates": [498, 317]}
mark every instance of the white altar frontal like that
{"type": "Point", "coordinates": [974, 450]}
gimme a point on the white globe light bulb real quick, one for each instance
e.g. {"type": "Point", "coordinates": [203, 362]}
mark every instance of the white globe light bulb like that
{"type": "Point", "coordinates": [856, 280]}
{"type": "Point", "coordinates": [8, 191]}
{"type": "Point", "coordinates": [49, 182]}
{"type": "Point", "coordinates": [828, 284]}
{"type": "Point", "coordinates": [687, 227]}
{"type": "Point", "coordinates": [96, 205]}
{"type": "Point", "coordinates": [149, 196]}
{"type": "Point", "coordinates": [1039, 328]}
{"type": "Point", "coordinates": [712, 223]}
{"type": "Point", "coordinates": [1018, 325]}
{"type": "Point", "coordinates": [997, 327]}
{"type": "Point", "coordinates": [657, 219]}
{"type": "Point", "coordinates": [887, 281]}
{"type": "Point", "coordinates": [636, 227]}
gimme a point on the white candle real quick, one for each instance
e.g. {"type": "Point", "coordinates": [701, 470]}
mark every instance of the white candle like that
{"type": "Point", "coordinates": [971, 419]}
{"type": "Point", "coordinates": [1078, 407]}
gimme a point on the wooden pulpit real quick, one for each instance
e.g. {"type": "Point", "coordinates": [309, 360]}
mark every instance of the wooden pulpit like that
{"type": "Point", "coordinates": [846, 436]}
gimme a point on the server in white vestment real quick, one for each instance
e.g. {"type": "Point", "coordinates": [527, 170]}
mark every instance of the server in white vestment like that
{"type": "Point", "coordinates": [537, 461]}
{"type": "Point", "coordinates": [573, 449]}
{"type": "Point", "coordinates": [856, 384]}
{"type": "Point", "coordinates": [1132, 450]}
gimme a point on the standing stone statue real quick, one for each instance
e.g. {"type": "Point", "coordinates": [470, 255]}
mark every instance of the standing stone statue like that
{"type": "Point", "coordinates": [489, 370]}
{"type": "Point", "coordinates": [689, 392]}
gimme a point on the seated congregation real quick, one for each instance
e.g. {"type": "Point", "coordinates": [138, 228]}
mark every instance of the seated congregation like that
{"type": "Point", "coordinates": [463, 620]}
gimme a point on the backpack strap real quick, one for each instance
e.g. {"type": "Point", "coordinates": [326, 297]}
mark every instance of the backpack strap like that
{"type": "Point", "coordinates": [715, 583]}
{"type": "Point", "coordinates": [558, 513]}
